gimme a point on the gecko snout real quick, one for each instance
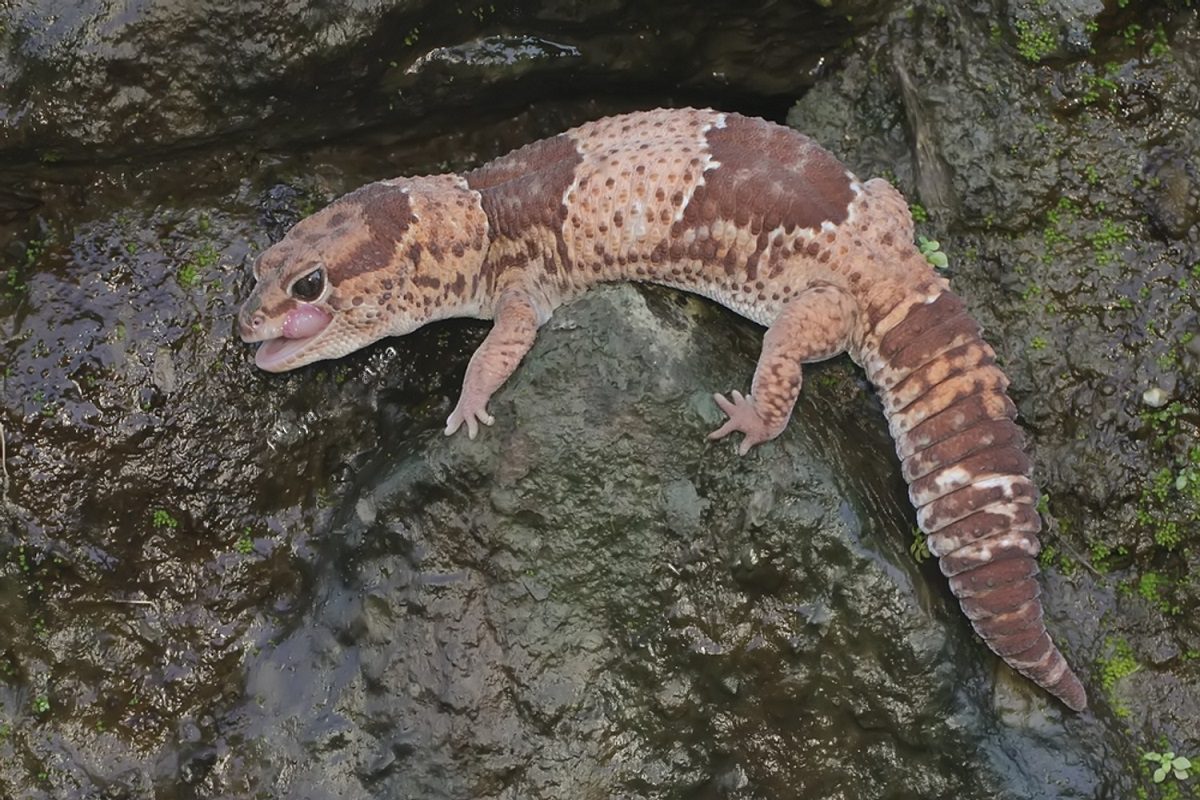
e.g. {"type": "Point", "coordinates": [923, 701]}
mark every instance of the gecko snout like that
{"type": "Point", "coordinates": [249, 325]}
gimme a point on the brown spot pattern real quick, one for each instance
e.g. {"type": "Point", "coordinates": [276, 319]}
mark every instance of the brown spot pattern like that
{"type": "Point", "coordinates": [768, 178]}
{"type": "Point", "coordinates": [522, 195]}
{"type": "Point", "coordinates": [386, 215]}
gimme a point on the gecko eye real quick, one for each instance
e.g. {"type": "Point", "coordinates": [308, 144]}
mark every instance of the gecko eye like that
{"type": "Point", "coordinates": [310, 286]}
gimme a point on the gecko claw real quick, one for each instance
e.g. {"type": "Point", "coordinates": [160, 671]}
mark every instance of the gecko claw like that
{"type": "Point", "coordinates": [471, 417]}
{"type": "Point", "coordinates": [744, 418]}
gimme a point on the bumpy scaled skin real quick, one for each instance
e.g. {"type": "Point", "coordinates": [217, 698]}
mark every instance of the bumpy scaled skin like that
{"type": "Point", "coordinates": [748, 213]}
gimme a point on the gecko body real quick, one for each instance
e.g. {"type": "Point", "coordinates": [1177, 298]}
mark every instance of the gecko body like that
{"type": "Point", "coordinates": [750, 214]}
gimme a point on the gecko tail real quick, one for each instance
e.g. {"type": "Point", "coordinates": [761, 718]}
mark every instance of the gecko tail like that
{"type": "Point", "coordinates": [963, 458]}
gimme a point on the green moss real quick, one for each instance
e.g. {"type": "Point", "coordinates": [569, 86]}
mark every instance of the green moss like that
{"type": "Point", "coordinates": [1097, 86]}
{"type": "Point", "coordinates": [1160, 47]}
{"type": "Point", "coordinates": [1056, 218]}
{"type": "Point", "coordinates": [1105, 241]}
{"type": "Point", "coordinates": [1035, 40]}
{"type": "Point", "coordinates": [206, 255]}
{"type": "Point", "coordinates": [162, 519]}
{"type": "Point", "coordinates": [1164, 422]}
{"type": "Point", "coordinates": [1151, 587]}
{"type": "Point", "coordinates": [245, 542]}
{"type": "Point", "coordinates": [919, 550]}
{"type": "Point", "coordinates": [1119, 663]}
{"type": "Point", "coordinates": [1169, 502]}
{"type": "Point", "coordinates": [202, 258]}
{"type": "Point", "coordinates": [187, 275]}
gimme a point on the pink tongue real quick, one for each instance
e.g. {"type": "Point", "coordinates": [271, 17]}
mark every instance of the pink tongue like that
{"type": "Point", "coordinates": [305, 321]}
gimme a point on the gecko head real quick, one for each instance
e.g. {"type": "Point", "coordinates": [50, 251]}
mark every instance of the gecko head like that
{"type": "Point", "coordinates": [351, 274]}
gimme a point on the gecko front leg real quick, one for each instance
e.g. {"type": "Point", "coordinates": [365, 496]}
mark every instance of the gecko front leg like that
{"type": "Point", "coordinates": [814, 325]}
{"type": "Point", "coordinates": [516, 325]}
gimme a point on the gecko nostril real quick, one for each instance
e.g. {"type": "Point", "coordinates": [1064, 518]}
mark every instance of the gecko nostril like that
{"type": "Point", "coordinates": [257, 320]}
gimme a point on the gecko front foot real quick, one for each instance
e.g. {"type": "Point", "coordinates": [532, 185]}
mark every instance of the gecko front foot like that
{"type": "Point", "coordinates": [744, 417]}
{"type": "Point", "coordinates": [471, 412]}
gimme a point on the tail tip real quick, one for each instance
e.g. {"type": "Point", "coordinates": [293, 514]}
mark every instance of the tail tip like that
{"type": "Point", "coordinates": [1070, 691]}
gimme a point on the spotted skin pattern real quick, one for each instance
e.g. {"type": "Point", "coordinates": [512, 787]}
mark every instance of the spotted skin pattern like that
{"type": "Point", "coordinates": [750, 214]}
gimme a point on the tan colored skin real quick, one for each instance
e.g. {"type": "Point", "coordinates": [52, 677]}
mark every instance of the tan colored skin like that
{"type": "Point", "coordinates": [750, 214]}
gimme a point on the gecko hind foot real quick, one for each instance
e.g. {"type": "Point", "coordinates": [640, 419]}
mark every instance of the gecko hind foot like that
{"type": "Point", "coordinates": [470, 413]}
{"type": "Point", "coordinates": [744, 417]}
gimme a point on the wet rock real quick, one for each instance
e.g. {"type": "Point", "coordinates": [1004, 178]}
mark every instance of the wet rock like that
{"type": "Point", "coordinates": [88, 78]}
{"type": "Point", "coordinates": [1173, 193]}
{"type": "Point", "coordinates": [520, 693]}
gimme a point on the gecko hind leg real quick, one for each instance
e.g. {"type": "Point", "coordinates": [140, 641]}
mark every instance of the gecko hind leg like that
{"type": "Point", "coordinates": [814, 325]}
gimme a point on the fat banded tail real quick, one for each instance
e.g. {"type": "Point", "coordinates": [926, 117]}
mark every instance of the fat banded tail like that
{"type": "Point", "coordinates": [968, 476]}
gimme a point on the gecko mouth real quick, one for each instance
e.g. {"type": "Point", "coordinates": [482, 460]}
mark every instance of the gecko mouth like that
{"type": "Point", "coordinates": [274, 355]}
{"type": "Point", "coordinates": [300, 330]}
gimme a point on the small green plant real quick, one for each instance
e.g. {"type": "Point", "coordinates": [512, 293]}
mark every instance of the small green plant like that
{"type": "Point", "coordinates": [245, 544]}
{"type": "Point", "coordinates": [919, 549]}
{"type": "Point", "coordinates": [932, 250]}
{"type": "Point", "coordinates": [14, 280]}
{"type": "Point", "coordinates": [202, 257]}
{"type": "Point", "coordinates": [41, 704]}
{"type": "Point", "coordinates": [1160, 47]}
{"type": "Point", "coordinates": [1164, 421]}
{"type": "Point", "coordinates": [206, 255]}
{"type": "Point", "coordinates": [1039, 343]}
{"type": "Point", "coordinates": [919, 214]}
{"type": "Point", "coordinates": [1169, 764]}
{"type": "Point", "coordinates": [1150, 587]}
{"type": "Point", "coordinates": [1105, 240]}
{"type": "Point", "coordinates": [163, 520]}
{"type": "Point", "coordinates": [1120, 663]}
{"type": "Point", "coordinates": [1064, 211]}
{"type": "Point", "coordinates": [1035, 40]}
{"type": "Point", "coordinates": [187, 275]}
{"type": "Point", "coordinates": [1096, 86]}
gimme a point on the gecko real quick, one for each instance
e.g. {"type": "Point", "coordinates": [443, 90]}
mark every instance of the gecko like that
{"type": "Point", "coordinates": [745, 212]}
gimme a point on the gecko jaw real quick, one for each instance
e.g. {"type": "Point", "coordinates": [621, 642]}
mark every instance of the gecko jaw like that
{"type": "Point", "coordinates": [303, 328]}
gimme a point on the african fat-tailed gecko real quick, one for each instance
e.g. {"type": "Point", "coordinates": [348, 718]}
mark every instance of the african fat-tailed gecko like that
{"type": "Point", "coordinates": [748, 213]}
